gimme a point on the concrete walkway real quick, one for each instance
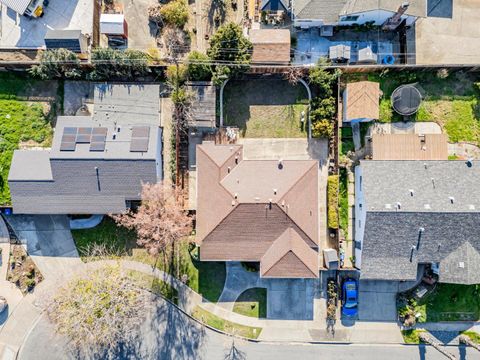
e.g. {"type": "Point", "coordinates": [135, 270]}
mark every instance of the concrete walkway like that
{"type": "Point", "coordinates": [88, 223]}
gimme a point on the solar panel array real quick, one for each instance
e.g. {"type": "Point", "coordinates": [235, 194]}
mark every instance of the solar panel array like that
{"type": "Point", "coordinates": [83, 135]}
{"type": "Point", "coordinates": [139, 142]}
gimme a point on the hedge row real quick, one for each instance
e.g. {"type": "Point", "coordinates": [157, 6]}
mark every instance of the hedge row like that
{"type": "Point", "coordinates": [332, 198]}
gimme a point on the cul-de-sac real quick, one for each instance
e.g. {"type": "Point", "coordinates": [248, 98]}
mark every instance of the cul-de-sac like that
{"type": "Point", "coordinates": [239, 179]}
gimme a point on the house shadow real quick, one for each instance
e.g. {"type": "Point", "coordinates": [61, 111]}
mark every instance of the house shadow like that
{"type": "Point", "coordinates": [440, 8]}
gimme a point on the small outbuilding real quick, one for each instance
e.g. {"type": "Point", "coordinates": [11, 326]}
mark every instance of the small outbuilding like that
{"type": "Point", "coordinates": [270, 46]}
{"type": "Point", "coordinates": [361, 101]}
{"type": "Point", "coordinates": [72, 40]}
{"type": "Point", "coordinates": [113, 24]}
{"type": "Point", "coordinates": [203, 110]}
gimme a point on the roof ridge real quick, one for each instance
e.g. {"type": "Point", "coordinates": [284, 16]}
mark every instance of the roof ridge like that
{"type": "Point", "coordinates": [223, 163]}
{"type": "Point", "coordinates": [283, 256]}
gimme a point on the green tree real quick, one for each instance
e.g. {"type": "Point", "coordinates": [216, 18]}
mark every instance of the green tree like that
{"type": "Point", "coordinates": [110, 63]}
{"type": "Point", "coordinates": [322, 128]}
{"type": "Point", "coordinates": [57, 64]}
{"type": "Point", "coordinates": [228, 45]}
{"type": "Point", "coordinates": [199, 68]}
{"type": "Point", "coordinates": [175, 13]}
{"type": "Point", "coordinates": [323, 109]}
{"type": "Point", "coordinates": [323, 79]}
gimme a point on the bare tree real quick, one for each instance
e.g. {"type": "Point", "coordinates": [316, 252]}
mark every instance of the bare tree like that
{"type": "Point", "coordinates": [98, 312]}
{"type": "Point", "coordinates": [174, 41]}
{"type": "Point", "coordinates": [465, 339]}
{"type": "Point", "coordinates": [294, 74]}
{"type": "Point", "coordinates": [155, 15]}
{"type": "Point", "coordinates": [161, 219]}
{"type": "Point", "coordinates": [427, 338]}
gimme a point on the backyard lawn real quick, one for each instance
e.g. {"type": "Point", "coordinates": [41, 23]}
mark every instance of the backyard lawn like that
{"type": "Point", "coordinates": [451, 302]}
{"type": "Point", "coordinates": [22, 124]}
{"type": "Point", "coordinates": [266, 108]}
{"type": "Point", "coordinates": [206, 278]}
{"type": "Point", "coordinates": [252, 302]}
{"type": "Point", "coordinates": [450, 99]}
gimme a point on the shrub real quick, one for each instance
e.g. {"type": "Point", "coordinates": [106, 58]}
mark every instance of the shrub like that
{"type": "Point", "coordinates": [323, 109]}
{"type": "Point", "coordinates": [173, 76]}
{"type": "Point", "coordinates": [322, 129]}
{"type": "Point", "coordinates": [199, 68]}
{"type": "Point", "coordinates": [110, 63]}
{"type": "Point", "coordinates": [332, 195]}
{"type": "Point", "coordinates": [175, 13]}
{"type": "Point", "coordinates": [57, 64]}
{"type": "Point", "coordinates": [323, 79]}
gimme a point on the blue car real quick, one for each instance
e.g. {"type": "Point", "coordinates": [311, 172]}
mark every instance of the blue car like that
{"type": "Point", "coordinates": [350, 298]}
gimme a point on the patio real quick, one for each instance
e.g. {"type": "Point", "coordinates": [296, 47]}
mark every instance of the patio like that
{"type": "Point", "coordinates": [28, 33]}
{"type": "Point", "coordinates": [311, 46]}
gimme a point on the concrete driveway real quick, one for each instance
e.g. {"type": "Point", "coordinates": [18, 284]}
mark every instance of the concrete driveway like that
{"type": "Point", "coordinates": [377, 300]}
{"type": "Point", "coordinates": [49, 242]}
{"type": "Point", "coordinates": [141, 33]}
{"type": "Point", "coordinates": [449, 36]}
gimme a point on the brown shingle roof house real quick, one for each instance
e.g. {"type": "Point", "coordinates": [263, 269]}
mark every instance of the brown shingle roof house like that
{"type": "Point", "coordinates": [270, 46]}
{"type": "Point", "coordinates": [262, 211]}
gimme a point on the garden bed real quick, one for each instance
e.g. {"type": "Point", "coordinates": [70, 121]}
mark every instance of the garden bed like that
{"type": "Point", "coordinates": [22, 270]}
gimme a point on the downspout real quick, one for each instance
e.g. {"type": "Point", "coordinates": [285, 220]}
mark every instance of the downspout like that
{"type": "Point", "coordinates": [304, 83]}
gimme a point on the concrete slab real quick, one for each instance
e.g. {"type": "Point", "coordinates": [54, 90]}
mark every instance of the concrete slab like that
{"type": "Point", "coordinates": [447, 40]}
{"type": "Point", "coordinates": [141, 33]}
{"type": "Point", "coordinates": [377, 300]}
{"type": "Point", "coordinates": [22, 32]}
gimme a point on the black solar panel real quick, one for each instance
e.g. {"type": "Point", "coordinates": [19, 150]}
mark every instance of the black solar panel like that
{"type": "Point", "coordinates": [139, 145]}
{"type": "Point", "coordinates": [67, 146]}
{"type": "Point", "coordinates": [97, 146]}
{"type": "Point", "coordinates": [70, 131]}
{"type": "Point", "coordinates": [99, 131]}
{"type": "Point", "coordinates": [140, 131]}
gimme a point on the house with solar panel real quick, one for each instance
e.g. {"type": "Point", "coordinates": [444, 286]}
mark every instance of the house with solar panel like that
{"type": "Point", "coordinates": [97, 163]}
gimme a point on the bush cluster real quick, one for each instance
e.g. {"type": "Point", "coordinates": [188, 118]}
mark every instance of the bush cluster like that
{"type": "Point", "coordinates": [332, 198]}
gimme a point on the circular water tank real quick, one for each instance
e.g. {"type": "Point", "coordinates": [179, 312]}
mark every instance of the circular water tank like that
{"type": "Point", "coordinates": [406, 100]}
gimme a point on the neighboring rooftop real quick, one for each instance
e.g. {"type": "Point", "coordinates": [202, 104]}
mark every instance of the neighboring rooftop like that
{"type": "Point", "coordinates": [30, 165]}
{"type": "Point", "coordinates": [327, 10]}
{"type": "Point", "coordinates": [429, 186]}
{"type": "Point", "coordinates": [396, 242]}
{"type": "Point", "coordinates": [361, 100]}
{"type": "Point", "coordinates": [416, 7]}
{"type": "Point", "coordinates": [270, 46]}
{"type": "Point", "coordinates": [409, 147]}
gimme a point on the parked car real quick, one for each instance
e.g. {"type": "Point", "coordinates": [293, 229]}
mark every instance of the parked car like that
{"type": "Point", "coordinates": [349, 298]}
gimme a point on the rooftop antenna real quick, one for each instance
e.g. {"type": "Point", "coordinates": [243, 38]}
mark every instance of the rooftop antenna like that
{"type": "Point", "coordinates": [420, 232]}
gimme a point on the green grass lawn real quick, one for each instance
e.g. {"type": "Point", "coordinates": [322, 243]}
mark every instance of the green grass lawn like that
{"type": "Point", "coordinates": [265, 108]}
{"type": "Point", "coordinates": [20, 122]}
{"type": "Point", "coordinates": [451, 302]}
{"type": "Point", "coordinates": [474, 336]}
{"type": "Point", "coordinates": [206, 278]}
{"type": "Point", "coordinates": [225, 325]}
{"type": "Point", "coordinates": [252, 302]}
{"type": "Point", "coordinates": [411, 336]}
{"type": "Point", "coordinates": [156, 286]}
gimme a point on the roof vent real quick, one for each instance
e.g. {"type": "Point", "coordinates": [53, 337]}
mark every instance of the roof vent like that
{"type": "Point", "coordinates": [280, 164]}
{"type": "Point", "coordinates": [433, 182]}
{"type": "Point", "coordinates": [274, 191]}
{"type": "Point", "coordinates": [425, 165]}
{"type": "Point", "coordinates": [233, 202]}
{"type": "Point", "coordinates": [469, 163]}
{"type": "Point", "coordinates": [388, 206]}
{"type": "Point", "coordinates": [411, 192]}
{"type": "Point", "coordinates": [471, 207]}
{"type": "Point", "coordinates": [452, 199]}
{"type": "Point", "coordinates": [283, 203]}
{"type": "Point", "coordinates": [257, 199]}
{"type": "Point", "coordinates": [399, 206]}
{"type": "Point", "coordinates": [427, 206]}
{"type": "Point", "coordinates": [228, 169]}
{"type": "Point", "coordinates": [114, 135]}
{"type": "Point", "coordinates": [236, 196]}
{"type": "Point", "coordinates": [461, 264]}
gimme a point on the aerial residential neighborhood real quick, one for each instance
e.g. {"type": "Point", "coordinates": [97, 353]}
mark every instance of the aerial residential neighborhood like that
{"type": "Point", "coordinates": [226, 179]}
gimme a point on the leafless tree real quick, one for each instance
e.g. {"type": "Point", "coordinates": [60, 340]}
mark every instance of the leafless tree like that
{"type": "Point", "coordinates": [294, 74]}
{"type": "Point", "coordinates": [233, 352]}
{"type": "Point", "coordinates": [427, 338]}
{"type": "Point", "coordinates": [174, 41]}
{"type": "Point", "coordinates": [154, 14]}
{"type": "Point", "coordinates": [465, 339]}
{"type": "Point", "coordinates": [160, 221]}
{"type": "Point", "coordinates": [98, 312]}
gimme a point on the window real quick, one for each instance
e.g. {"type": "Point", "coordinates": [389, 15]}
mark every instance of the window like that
{"type": "Point", "coordinates": [349, 18]}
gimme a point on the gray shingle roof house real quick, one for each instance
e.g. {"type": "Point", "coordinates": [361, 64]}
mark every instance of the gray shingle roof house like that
{"type": "Point", "coordinates": [308, 13]}
{"type": "Point", "coordinates": [97, 163]}
{"type": "Point", "coordinates": [418, 212]}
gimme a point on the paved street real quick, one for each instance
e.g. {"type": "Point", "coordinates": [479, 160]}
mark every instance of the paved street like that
{"type": "Point", "coordinates": [169, 334]}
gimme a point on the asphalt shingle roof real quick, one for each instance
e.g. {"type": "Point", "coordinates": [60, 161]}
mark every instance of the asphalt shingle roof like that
{"type": "Point", "coordinates": [327, 10]}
